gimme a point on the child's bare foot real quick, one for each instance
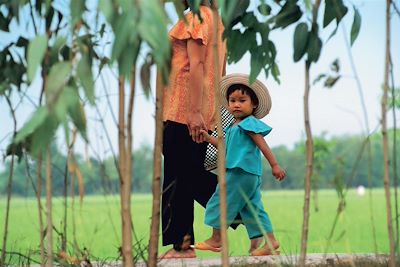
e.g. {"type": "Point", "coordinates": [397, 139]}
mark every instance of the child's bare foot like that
{"type": "Point", "coordinates": [267, 249]}
{"type": "Point", "coordinates": [255, 243]}
{"type": "Point", "coordinates": [210, 244]}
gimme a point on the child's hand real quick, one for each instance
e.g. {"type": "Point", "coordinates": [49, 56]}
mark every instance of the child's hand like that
{"type": "Point", "coordinates": [205, 136]}
{"type": "Point", "coordinates": [278, 172]}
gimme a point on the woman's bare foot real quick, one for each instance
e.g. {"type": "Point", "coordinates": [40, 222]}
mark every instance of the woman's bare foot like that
{"type": "Point", "coordinates": [174, 254]}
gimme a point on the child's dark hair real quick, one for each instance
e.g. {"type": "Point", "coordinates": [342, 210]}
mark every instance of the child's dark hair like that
{"type": "Point", "coordinates": [244, 89]}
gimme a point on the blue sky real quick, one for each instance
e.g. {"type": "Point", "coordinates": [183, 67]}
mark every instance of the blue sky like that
{"type": "Point", "coordinates": [335, 111]}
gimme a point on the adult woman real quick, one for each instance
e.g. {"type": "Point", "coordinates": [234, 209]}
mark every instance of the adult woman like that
{"type": "Point", "coordinates": [189, 106]}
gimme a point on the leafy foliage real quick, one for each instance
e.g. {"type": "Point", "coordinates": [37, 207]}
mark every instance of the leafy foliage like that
{"type": "Point", "coordinates": [334, 158]}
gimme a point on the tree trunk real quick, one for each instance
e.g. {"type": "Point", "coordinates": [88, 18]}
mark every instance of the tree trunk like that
{"type": "Point", "coordinates": [156, 187]}
{"type": "Point", "coordinates": [386, 180]}
{"type": "Point", "coordinates": [5, 232]}
{"type": "Point", "coordinates": [40, 208]}
{"type": "Point", "coordinates": [125, 181]}
{"type": "Point", "coordinates": [221, 143]}
{"type": "Point", "coordinates": [9, 188]}
{"type": "Point", "coordinates": [309, 169]}
{"type": "Point", "coordinates": [49, 233]}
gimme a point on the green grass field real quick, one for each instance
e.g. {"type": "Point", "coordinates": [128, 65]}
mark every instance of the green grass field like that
{"type": "Point", "coordinates": [97, 224]}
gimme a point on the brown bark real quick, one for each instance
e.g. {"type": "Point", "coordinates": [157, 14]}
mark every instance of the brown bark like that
{"type": "Point", "coordinates": [309, 168]}
{"type": "Point", "coordinates": [9, 187]}
{"type": "Point", "coordinates": [156, 186]}
{"type": "Point", "coordinates": [40, 208]}
{"type": "Point", "coordinates": [221, 143]}
{"type": "Point", "coordinates": [49, 232]}
{"type": "Point", "coordinates": [386, 179]}
{"type": "Point", "coordinates": [125, 181]}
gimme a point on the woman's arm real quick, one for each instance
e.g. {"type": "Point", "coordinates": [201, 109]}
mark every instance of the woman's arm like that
{"type": "Point", "coordinates": [195, 121]}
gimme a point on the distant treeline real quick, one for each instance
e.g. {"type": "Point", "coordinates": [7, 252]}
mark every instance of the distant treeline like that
{"type": "Point", "coordinates": [338, 162]}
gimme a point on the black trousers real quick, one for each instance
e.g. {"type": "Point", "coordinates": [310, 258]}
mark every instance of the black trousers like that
{"type": "Point", "coordinates": [185, 180]}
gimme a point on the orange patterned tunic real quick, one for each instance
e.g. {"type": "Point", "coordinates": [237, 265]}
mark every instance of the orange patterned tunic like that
{"type": "Point", "coordinates": [176, 94]}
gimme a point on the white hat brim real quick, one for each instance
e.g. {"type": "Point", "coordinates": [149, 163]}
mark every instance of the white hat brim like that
{"type": "Point", "coordinates": [261, 91]}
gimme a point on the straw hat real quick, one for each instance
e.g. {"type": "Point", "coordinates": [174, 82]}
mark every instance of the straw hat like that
{"type": "Point", "coordinates": [261, 91]}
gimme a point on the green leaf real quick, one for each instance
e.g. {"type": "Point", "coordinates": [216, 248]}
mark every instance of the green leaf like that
{"type": "Point", "coordinates": [321, 76]}
{"type": "Point", "coordinates": [194, 6]}
{"type": "Point", "coordinates": [256, 64]}
{"type": "Point", "coordinates": [330, 12]}
{"type": "Point", "coordinates": [77, 113]}
{"type": "Point", "coordinates": [122, 28]}
{"type": "Point", "coordinates": [331, 81]}
{"type": "Point", "coordinates": [334, 9]}
{"type": "Point", "coordinates": [300, 41]}
{"type": "Point", "coordinates": [355, 28]}
{"type": "Point", "coordinates": [3, 88]}
{"type": "Point", "coordinates": [232, 10]}
{"type": "Point", "coordinates": [275, 72]}
{"type": "Point", "coordinates": [44, 135]}
{"type": "Point", "coordinates": [106, 7]}
{"type": "Point", "coordinates": [22, 42]}
{"type": "Point", "coordinates": [77, 8]}
{"type": "Point", "coordinates": [341, 10]}
{"type": "Point", "coordinates": [86, 77]}
{"type": "Point", "coordinates": [249, 20]}
{"type": "Point", "coordinates": [180, 8]}
{"type": "Point", "coordinates": [335, 66]}
{"type": "Point", "coordinates": [145, 76]}
{"type": "Point", "coordinates": [314, 47]}
{"type": "Point", "coordinates": [36, 51]}
{"type": "Point", "coordinates": [67, 99]}
{"type": "Point", "coordinates": [264, 9]}
{"type": "Point", "coordinates": [289, 14]}
{"type": "Point", "coordinates": [127, 61]}
{"type": "Point", "coordinates": [56, 49]}
{"type": "Point", "coordinates": [58, 76]}
{"type": "Point", "coordinates": [238, 44]}
{"type": "Point", "coordinates": [33, 123]}
{"type": "Point", "coordinates": [15, 149]}
{"type": "Point", "coordinates": [152, 30]}
{"type": "Point", "coordinates": [4, 23]}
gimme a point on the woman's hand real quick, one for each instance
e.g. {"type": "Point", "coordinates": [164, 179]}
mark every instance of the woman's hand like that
{"type": "Point", "coordinates": [195, 123]}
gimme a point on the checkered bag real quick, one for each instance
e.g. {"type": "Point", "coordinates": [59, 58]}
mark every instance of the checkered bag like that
{"type": "Point", "coordinates": [210, 162]}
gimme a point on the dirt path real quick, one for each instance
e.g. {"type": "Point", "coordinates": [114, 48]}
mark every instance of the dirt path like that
{"type": "Point", "coordinates": [283, 260]}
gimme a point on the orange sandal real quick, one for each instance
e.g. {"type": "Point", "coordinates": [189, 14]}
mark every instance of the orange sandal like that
{"type": "Point", "coordinates": [263, 251]}
{"type": "Point", "coordinates": [206, 246]}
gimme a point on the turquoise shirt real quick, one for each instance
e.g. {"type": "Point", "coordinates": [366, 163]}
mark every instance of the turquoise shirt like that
{"type": "Point", "coordinates": [241, 151]}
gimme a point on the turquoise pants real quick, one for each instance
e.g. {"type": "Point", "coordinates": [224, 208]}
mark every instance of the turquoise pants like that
{"type": "Point", "coordinates": [244, 197]}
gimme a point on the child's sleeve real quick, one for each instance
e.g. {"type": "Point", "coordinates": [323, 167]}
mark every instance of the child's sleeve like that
{"type": "Point", "coordinates": [251, 124]}
{"type": "Point", "coordinates": [193, 28]}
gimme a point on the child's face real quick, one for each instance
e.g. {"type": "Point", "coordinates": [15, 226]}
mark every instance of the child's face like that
{"type": "Point", "coordinates": [240, 105]}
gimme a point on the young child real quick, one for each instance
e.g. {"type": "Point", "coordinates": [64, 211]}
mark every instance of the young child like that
{"type": "Point", "coordinates": [244, 140]}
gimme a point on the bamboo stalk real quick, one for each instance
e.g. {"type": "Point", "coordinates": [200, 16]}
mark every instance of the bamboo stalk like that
{"type": "Point", "coordinates": [221, 143]}
{"type": "Point", "coordinates": [49, 232]}
{"type": "Point", "coordinates": [125, 190]}
{"type": "Point", "coordinates": [9, 189]}
{"type": "Point", "coordinates": [40, 209]}
{"type": "Point", "coordinates": [385, 144]}
{"type": "Point", "coordinates": [155, 215]}
{"type": "Point", "coordinates": [309, 168]}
